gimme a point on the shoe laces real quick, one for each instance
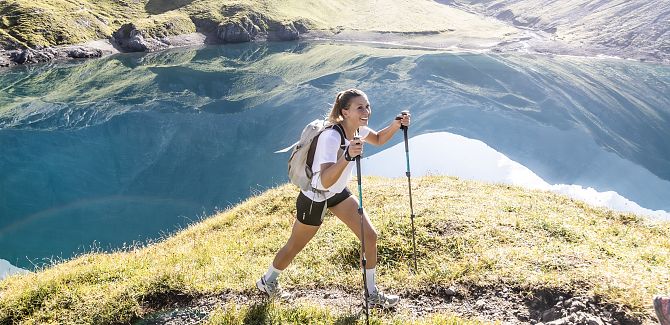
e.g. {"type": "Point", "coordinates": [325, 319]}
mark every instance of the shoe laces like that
{"type": "Point", "coordinates": [272, 286]}
{"type": "Point", "coordinates": [379, 296]}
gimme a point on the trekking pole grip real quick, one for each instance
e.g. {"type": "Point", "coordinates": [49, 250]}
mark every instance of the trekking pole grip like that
{"type": "Point", "coordinates": [399, 117]}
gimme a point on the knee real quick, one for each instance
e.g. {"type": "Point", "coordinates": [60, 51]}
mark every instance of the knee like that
{"type": "Point", "coordinates": [371, 236]}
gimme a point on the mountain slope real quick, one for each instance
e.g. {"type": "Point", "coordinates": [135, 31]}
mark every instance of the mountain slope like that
{"type": "Point", "coordinates": [639, 28]}
{"type": "Point", "coordinates": [479, 241]}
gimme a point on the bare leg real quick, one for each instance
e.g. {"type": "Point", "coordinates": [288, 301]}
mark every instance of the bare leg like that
{"type": "Point", "coordinates": [300, 236]}
{"type": "Point", "coordinates": [347, 211]}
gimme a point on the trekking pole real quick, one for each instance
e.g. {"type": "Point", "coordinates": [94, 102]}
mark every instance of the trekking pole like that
{"type": "Point", "coordinates": [409, 183]}
{"type": "Point", "coordinates": [360, 213]}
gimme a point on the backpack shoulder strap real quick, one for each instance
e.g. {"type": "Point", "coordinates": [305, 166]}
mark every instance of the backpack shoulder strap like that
{"type": "Point", "coordinates": [340, 130]}
{"type": "Point", "coordinates": [312, 146]}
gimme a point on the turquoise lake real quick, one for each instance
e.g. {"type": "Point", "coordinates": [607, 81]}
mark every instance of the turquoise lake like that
{"type": "Point", "coordinates": [131, 147]}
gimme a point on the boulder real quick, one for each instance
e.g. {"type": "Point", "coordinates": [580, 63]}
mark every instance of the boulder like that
{"type": "Point", "coordinates": [256, 26]}
{"type": "Point", "coordinates": [81, 52]}
{"type": "Point", "coordinates": [551, 314]}
{"type": "Point", "coordinates": [29, 55]}
{"type": "Point", "coordinates": [23, 56]}
{"type": "Point", "coordinates": [287, 32]}
{"type": "Point", "coordinates": [129, 39]}
{"type": "Point", "coordinates": [300, 27]}
{"type": "Point", "coordinates": [233, 33]}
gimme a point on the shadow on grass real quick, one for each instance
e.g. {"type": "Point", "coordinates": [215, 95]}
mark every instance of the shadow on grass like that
{"type": "Point", "coordinates": [156, 7]}
{"type": "Point", "coordinates": [346, 320]}
{"type": "Point", "coordinates": [258, 313]}
{"type": "Point", "coordinates": [265, 312]}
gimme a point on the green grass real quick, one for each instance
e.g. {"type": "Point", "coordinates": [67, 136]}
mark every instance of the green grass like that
{"type": "Point", "coordinates": [468, 233]}
{"type": "Point", "coordinates": [167, 24]}
{"type": "Point", "coordinates": [56, 22]}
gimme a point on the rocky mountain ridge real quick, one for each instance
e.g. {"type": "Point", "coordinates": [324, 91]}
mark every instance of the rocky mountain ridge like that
{"type": "Point", "coordinates": [635, 29]}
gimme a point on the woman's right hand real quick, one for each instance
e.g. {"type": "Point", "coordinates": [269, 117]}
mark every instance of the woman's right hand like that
{"type": "Point", "coordinates": [355, 148]}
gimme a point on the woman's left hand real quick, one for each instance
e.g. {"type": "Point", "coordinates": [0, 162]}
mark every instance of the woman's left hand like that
{"type": "Point", "coordinates": [404, 118]}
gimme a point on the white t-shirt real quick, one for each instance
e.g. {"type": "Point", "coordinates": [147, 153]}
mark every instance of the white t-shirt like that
{"type": "Point", "coordinates": [327, 149]}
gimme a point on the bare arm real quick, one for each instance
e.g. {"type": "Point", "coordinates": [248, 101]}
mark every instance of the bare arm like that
{"type": "Point", "coordinates": [383, 136]}
{"type": "Point", "coordinates": [331, 172]}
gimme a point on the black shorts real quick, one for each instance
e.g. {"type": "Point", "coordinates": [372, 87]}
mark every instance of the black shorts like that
{"type": "Point", "coordinates": [311, 213]}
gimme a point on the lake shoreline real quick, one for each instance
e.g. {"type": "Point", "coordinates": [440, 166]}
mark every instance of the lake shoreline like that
{"type": "Point", "coordinates": [528, 42]}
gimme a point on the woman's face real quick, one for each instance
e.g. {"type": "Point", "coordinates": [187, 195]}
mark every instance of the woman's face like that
{"type": "Point", "coordinates": [359, 110]}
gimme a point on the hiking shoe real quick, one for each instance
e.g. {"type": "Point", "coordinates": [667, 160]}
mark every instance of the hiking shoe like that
{"type": "Point", "coordinates": [271, 288]}
{"type": "Point", "coordinates": [380, 299]}
{"type": "Point", "coordinates": [662, 307]}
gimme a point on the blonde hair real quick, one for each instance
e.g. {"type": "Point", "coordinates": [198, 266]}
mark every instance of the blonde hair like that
{"type": "Point", "coordinates": [342, 102]}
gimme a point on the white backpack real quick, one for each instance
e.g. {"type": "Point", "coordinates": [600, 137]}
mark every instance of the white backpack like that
{"type": "Point", "coordinates": [300, 163]}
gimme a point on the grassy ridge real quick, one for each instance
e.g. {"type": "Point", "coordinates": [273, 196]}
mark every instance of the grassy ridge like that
{"type": "Point", "coordinates": [468, 233]}
{"type": "Point", "coordinates": [56, 22]}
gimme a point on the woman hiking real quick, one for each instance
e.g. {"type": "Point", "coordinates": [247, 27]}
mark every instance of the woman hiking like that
{"type": "Point", "coordinates": [332, 166]}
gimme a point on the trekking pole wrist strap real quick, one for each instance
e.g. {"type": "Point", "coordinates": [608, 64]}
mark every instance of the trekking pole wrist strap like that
{"type": "Point", "coordinates": [348, 157]}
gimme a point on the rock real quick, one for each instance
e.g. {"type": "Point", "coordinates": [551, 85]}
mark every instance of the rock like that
{"type": "Point", "coordinates": [573, 319]}
{"type": "Point", "coordinates": [83, 52]}
{"type": "Point", "coordinates": [577, 305]}
{"type": "Point", "coordinates": [451, 291]}
{"type": "Point", "coordinates": [480, 303]}
{"type": "Point", "coordinates": [24, 56]}
{"type": "Point", "coordinates": [136, 43]}
{"type": "Point", "coordinates": [129, 39]}
{"type": "Point", "coordinates": [256, 26]}
{"type": "Point", "coordinates": [521, 316]}
{"type": "Point", "coordinates": [233, 33]}
{"type": "Point", "coordinates": [4, 60]}
{"type": "Point", "coordinates": [551, 314]}
{"type": "Point", "coordinates": [37, 55]}
{"type": "Point", "coordinates": [594, 320]}
{"type": "Point", "coordinates": [286, 32]}
{"type": "Point", "coordinates": [300, 27]}
{"type": "Point", "coordinates": [560, 321]}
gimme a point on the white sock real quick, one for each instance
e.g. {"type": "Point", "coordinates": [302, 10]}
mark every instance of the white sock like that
{"type": "Point", "coordinates": [272, 274]}
{"type": "Point", "coordinates": [370, 278]}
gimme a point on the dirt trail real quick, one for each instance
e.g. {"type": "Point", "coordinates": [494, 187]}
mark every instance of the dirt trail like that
{"type": "Point", "coordinates": [506, 305]}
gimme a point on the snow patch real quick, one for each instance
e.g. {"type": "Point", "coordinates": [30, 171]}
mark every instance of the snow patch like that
{"type": "Point", "coordinates": [7, 269]}
{"type": "Point", "coordinates": [444, 153]}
